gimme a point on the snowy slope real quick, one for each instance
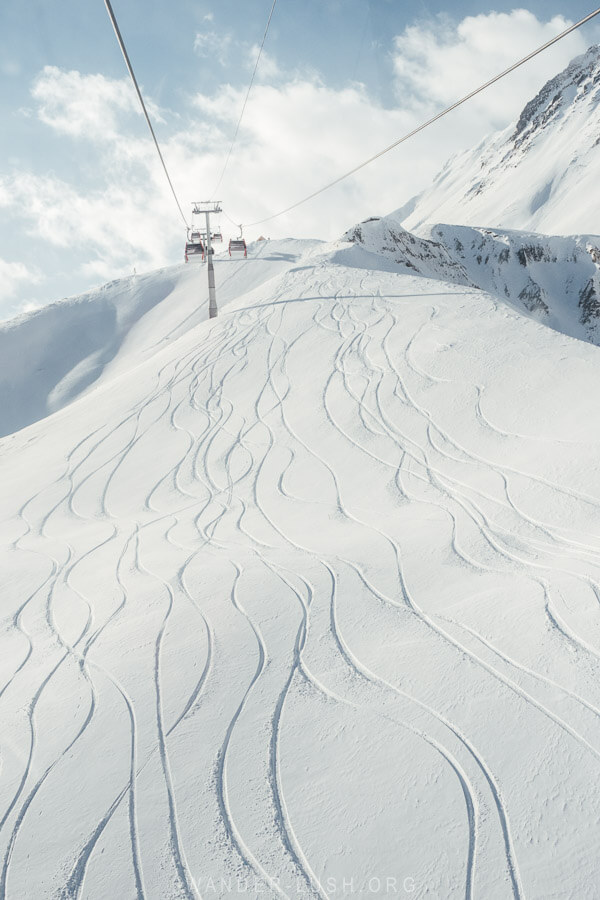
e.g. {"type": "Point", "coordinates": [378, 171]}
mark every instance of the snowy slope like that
{"type": "Point", "coordinates": [305, 604]}
{"type": "Point", "coordinates": [554, 279]}
{"type": "Point", "coordinates": [540, 174]}
{"type": "Point", "coordinates": [52, 355]}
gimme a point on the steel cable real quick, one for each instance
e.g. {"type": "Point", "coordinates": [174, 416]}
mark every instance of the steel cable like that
{"type": "Point", "coordinates": [141, 99]}
{"type": "Point", "coordinates": [237, 128]}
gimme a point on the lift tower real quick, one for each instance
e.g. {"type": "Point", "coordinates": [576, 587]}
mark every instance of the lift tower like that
{"type": "Point", "coordinates": [207, 207]}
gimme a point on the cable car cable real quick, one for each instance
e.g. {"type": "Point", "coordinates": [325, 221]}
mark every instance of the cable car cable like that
{"type": "Point", "coordinates": [237, 224]}
{"type": "Point", "coordinates": [141, 99]}
{"type": "Point", "coordinates": [245, 103]}
{"type": "Point", "coordinates": [429, 122]}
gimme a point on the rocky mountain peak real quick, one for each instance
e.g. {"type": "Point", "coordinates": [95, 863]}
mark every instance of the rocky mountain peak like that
{"type": "Point", "coordinates": [581, 78]}
{"type": "Point", "coordinates": [540, 174]}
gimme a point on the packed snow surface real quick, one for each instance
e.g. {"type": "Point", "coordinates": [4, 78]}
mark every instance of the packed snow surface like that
{"type": "Point", "coordinates": [302, 601]}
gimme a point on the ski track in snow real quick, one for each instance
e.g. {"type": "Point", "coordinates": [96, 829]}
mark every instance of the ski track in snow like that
{"type": "Point", "coordinates": [250, 597]}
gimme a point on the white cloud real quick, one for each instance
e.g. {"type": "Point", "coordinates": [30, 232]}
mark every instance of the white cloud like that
{"type": "Point", "coordinates": [439, 62]}
{"type": "Point", "coordinates": [268, 67]}
{"type": "Point", "coordinates": [102, 226]}
{"type": "Point", "coordinates": [212, 45]}
{"type": "Point", "coordinates": [12, 275]}
{"type": "Point", "coordinates": [27, 306]}
{"type": "Point", "coordinates": [5, 195]}
{"type": "Point", "coordinates": [102, 269]}
{"type": "Point", "coordinates": [89, 106]}
{"type": "Point", "coordinates": [294, 138]}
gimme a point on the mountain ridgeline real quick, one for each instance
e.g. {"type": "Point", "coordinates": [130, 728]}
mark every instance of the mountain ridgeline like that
{"type": "Point", "coordinates": [553, 279]}
{"type": "Point", "coordinates": [519, 203]}
{"type": "Point", "coordinates": [540, 173]}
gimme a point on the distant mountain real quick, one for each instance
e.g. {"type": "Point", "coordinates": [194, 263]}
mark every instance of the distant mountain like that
{"type": "Point", "coordinates": [540, 174]}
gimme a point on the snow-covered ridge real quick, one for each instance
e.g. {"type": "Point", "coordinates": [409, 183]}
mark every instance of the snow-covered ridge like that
{"type": "Point", "coordinates": [556, 279]}
{"type": "Point", "coordinates": [53, 355]}
{"type": "Point", "coordinates": [540, 174]}
{"type": "Point", "coordinates": [409, 253]}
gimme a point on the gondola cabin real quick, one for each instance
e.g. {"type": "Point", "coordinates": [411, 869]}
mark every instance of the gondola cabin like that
{"type": "Point", "coordinates": [194, 247]}
{"type": "Point", "coordinates": [237, 246]}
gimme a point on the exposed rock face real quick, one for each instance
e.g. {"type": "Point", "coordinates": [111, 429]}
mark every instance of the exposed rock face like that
{"type": "Point", "coordinates": [580, 79]}
{"type": "Point", "coordinates": [532, 297]}
{"type": "Point", "coordinates": [540, 174]}
{"type": "Point", "coordinates": [554, 279]}
{"type": "Point", "coordinates": [385, 236]}
{"type": "Point", "coordinates": [589, 302]}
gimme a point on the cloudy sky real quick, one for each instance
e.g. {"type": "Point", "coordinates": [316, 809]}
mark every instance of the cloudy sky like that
{"type": "Point", "coordinates": [82, 196]}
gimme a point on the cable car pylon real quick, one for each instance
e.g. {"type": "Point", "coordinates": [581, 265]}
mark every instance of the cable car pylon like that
{"type": "Point", "coordinates": [209, 208]}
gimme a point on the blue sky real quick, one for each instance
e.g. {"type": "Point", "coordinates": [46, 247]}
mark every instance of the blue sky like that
{"type": "Point", "coordinates": [82, 198]}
